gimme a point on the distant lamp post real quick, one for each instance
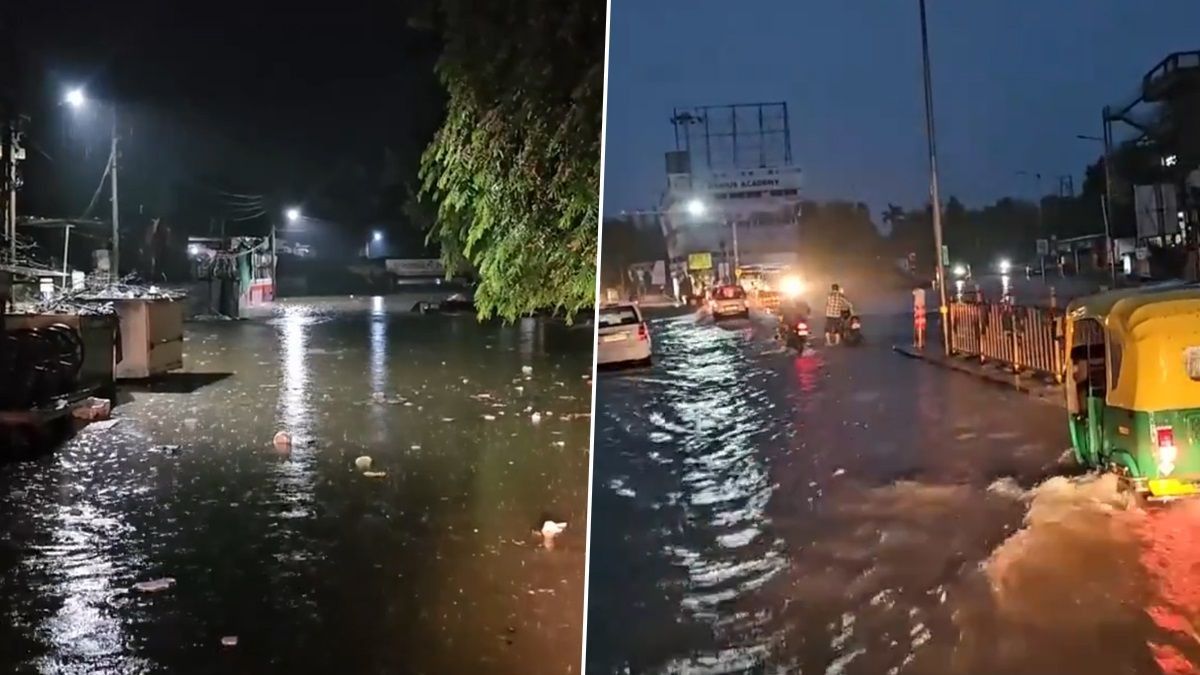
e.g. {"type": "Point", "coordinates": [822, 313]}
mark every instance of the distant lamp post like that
{"type": "Point", "coordinates": [77, 99]}
{"type": "Point", "coordinates": [376, 237]}
{"type": "Point", "coordinates": [293, 214]}
{"type": "Point", "coordinates": [1106, 199]}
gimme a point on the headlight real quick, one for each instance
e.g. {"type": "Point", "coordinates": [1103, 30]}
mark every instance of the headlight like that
{"type": "Point", "coordinates": [960, 271]}
{"type": "Point", "coordinates": [792, 286]}
{"type": "Point", "coordinates": [1005, 266]}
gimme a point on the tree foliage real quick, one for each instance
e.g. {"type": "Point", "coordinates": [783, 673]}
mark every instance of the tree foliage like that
{"type": "Point", "coordinates": [514, 169]}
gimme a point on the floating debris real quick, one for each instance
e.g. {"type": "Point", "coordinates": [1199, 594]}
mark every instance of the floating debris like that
{"type": "Point", "coordinates": [154, 586]}
{"type": "Point", "coordinates": [535, 417]}
{"type": "Point", "coordinates": [167, 448]}
{"type": "Point", "coordinates": [527, 370]}
{"type": "Point", "coordinates": [374, 474]}
{"type": "Point", "coordinates": [282, 439]}
{"type": "Point", "coordinates": [362, 463]}
{"type": "Point", "coordinates": [229, 641]}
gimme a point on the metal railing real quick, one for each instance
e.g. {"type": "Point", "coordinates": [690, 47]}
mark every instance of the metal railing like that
{"type": "Point", "coordinates": [1023, 338]}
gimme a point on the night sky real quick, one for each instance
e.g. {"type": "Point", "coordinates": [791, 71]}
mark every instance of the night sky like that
{"type": "Point", "coordinates": [254, 97]}
{"type": "Point", "coordinates": [1014, 82]}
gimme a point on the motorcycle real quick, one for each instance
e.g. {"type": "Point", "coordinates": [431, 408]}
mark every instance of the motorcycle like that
{"type": "Point", "coordinates": [797, 336]}
{"type": "Point", "coordinates": [851, 329]}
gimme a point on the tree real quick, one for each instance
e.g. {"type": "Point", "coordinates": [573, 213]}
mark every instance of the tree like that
{"type": "Point", "coordinates": [514, 169]}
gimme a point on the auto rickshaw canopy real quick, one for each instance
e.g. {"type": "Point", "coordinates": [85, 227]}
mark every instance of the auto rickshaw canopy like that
{"type": "Point", "coordinates": [1152, 340]}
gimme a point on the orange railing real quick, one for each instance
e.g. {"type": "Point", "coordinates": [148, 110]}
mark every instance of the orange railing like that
{"type": "Point", "coordinates": [1025, 339]}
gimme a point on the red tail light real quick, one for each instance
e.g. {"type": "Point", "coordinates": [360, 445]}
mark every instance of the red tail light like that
{"type": "Point", "coordinates": [1165, 437]}
{"type": "Point", "coordinates": [643, 334]}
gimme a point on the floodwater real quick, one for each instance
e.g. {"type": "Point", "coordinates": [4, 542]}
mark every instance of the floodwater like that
{"type": "Point", "coordinates": [852, 511]}
{"type": "Point", "coordinates": [429, 564]}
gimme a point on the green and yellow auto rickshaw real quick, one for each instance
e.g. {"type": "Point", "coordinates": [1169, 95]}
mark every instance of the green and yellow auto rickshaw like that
{"type": "Point", "coordinates": [1133, 386]}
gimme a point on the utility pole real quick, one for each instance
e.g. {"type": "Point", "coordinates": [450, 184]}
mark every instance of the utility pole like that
{"type": "Point", "coordinates": [933, 184]}
{"type": "Point", "coordinates": [116, 217]}
{"type": "Point", "coordinates": [1108, 189]}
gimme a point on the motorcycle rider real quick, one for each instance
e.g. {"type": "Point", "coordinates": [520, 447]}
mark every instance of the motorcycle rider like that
{"type": "Point", "coordinates": [792, 311]}
{"type": "Point", "coordinates": [836, 307]}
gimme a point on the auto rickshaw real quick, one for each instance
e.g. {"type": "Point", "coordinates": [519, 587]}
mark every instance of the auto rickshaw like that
{"type": "Point", "coordinates": [1133, 386]}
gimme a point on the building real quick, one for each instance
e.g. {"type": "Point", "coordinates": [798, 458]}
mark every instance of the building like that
{"type": "Point", "coordinates": [733, 191]}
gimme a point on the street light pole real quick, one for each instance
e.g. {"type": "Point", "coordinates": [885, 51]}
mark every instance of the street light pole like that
{"type": "Point", "coordinates": [933, 183]}
{"type": "Point", "coordinates": [1106, 199]}
{"type": "Point", "coordinates": [1108, 189]}
{"type": "Point", "coordinates": [116, 217]}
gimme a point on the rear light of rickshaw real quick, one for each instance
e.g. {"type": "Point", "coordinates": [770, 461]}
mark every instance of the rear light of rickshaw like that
{"type": "Point", "coordinates": [642, 333]}
{"type": "Point", "coordinates": [1167, 452]}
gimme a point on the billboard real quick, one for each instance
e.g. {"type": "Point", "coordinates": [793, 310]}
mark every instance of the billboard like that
{"type": "Point", "coordinates": [1157, 210]}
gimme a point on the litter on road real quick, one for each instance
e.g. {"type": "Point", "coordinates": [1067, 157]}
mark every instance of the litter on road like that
{"type": "Point", "coordinates": [155, 585]}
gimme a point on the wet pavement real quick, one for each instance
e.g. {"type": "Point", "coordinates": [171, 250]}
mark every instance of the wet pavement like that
{"type": "Point", "coordinates": [429, 564]}
{"type": "Point", "coordinates": [853, 511]}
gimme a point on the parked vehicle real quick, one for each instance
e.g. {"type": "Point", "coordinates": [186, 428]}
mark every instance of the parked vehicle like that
{"type": "Point", "coordinates": [851, 329]}
{"type": "Point", "coordinates": [1133, 387]}
{"type": "Point", "coordinates": [622, 336]}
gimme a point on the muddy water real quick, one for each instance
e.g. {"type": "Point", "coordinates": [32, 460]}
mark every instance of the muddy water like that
{"type": "Point", "coordinates": [856, 512]}
{"type": "Point", "coordinates": [315, 567]}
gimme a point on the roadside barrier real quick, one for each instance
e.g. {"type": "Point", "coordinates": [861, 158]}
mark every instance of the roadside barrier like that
{"type": "Point", "coordinates": [1023, 338]}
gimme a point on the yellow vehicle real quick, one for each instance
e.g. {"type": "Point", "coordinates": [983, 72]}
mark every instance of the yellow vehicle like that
{"type": "Point", "coordinates": [1133, 386]}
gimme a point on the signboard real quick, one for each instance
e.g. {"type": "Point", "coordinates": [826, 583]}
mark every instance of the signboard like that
{"type": "Point", "coordinates": [945, 255]}
{"type": "Point", "coordinates": [1043, 247]}
{"type": "Point", "coordinates": [415, 267]}
{"type": "Point", "coordinates": [700, 261]}
{"type": "Point", "coordinates": [1156, 210]}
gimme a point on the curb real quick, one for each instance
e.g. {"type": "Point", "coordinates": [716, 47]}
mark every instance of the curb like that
{"type": "Point", "coordinates": [1047, 393]}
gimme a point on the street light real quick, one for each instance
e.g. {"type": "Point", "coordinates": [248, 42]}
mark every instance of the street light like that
{"type": "Point", "coordinates": [77, 99]}
{"type": "Point", "coordinates": [697, 208]}
{"type": "Point", "coordinates": [1106, 199]}
{"type": "Point", "coordinates": [377, 236]}
{"type": "Point", "coordinates": [293, 214]}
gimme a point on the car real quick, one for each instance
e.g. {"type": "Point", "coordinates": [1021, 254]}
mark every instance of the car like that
{"type": "Point", "coordinates": [622, 336]}
{"type": "Point", "coordinates": [729, 301]}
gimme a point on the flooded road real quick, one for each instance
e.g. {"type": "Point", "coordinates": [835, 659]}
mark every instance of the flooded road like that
{"type": "Point", "coordinates": [853, 511]}
{"type": "Point", "coordinates": [428, 564]}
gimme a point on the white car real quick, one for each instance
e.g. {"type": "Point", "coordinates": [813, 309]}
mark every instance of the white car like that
{"type": "Point", "coordinates": [729, 301]}
{"type": "Point", "coordinates": [622, 336]}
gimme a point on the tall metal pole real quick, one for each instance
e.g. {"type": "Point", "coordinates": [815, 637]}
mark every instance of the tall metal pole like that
{"type": "Point", "coordinates": [737, 263]}
{"type": "Point", "coordinates": [1108, 188]}
{"type": "Point", "coordinates": [933, 184]}
{"type": "Point", "coordinates": [116, 217]}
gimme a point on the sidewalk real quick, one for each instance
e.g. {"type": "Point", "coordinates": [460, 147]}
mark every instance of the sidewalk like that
{"type": "Point", "coordinates": [1034, 386]}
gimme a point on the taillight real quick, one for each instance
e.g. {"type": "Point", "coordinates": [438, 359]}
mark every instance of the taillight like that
{"type": "Point", "coordinates": [1167, 452]}
{"type": "Point", "coordinates": [643, 334]}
